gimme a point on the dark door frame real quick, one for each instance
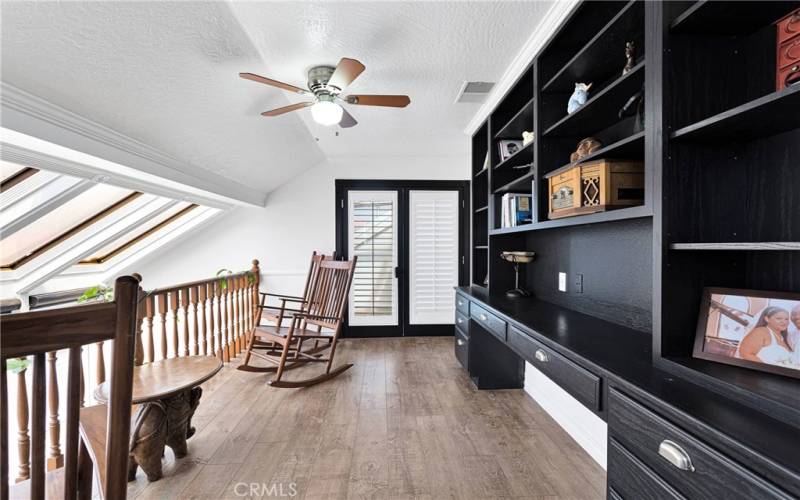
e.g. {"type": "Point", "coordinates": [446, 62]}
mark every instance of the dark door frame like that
{"type": "Point", "coordinates": [403, 187]}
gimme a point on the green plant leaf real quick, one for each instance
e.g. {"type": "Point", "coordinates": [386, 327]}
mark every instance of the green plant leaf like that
{"type": "Point", "coordinates": [16, 365]}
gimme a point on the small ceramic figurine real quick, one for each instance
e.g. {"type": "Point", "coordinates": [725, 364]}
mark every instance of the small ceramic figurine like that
{"type": "Point", "coordinates": [630, 54]}
{"type": "Point", "coordinates": [579, 97]}
{"type": "Point", "coordinates": [527, 138]}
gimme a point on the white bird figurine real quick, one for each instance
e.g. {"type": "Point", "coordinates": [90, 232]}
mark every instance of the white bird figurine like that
{"type": "Point", "coordinates": [579, 97]}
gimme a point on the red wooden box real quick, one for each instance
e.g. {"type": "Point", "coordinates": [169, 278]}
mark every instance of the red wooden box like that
{"type": "Point", "coordinates": [787, 63]}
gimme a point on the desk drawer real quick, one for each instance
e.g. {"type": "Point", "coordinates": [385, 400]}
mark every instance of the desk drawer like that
{"type": "Point", "coordinates": [462, 348]}
{"type": "Point", "coordinates": [705, 473]}
{"type": "Point", "coordinates": [630, 479]}
{"type": "Point", "coordinates": [462, 323]}
{"type": "Point", "coordinates": [581, 383]}
{"type": "Point", "coordinates": [489, 321]}
{"type": "Point", "coordinates": [462, 305]}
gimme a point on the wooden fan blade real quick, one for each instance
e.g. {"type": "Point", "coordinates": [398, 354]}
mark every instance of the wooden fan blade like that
{"type": "Point", "coordinates": [274, 83]}
{"type": "Point", "coordinates": [346, 71]}
{"type": "Point", "coordinates": [347, 120]}
{"type": "Point", "coordinates": [393, 101]}
{"type": "Point", "coordinates": [286, 109]}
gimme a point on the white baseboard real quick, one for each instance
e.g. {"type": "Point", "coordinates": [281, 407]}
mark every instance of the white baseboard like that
{"type": "Point", "coordinates": [586, 428]}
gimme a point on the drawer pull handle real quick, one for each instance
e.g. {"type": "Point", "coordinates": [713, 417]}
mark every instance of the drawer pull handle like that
{"type": "Point", "coordinates": [542, 356]}
{"type": "Point", "coordinates": [675, 455]}
{"type": "Point", "coordinates": [484, 317]}
{"type": "Point", "coordinates": [459, 342]}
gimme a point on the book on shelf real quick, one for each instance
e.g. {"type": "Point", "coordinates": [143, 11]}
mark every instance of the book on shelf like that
{"type": "Point", "coordinates": [515, 209]}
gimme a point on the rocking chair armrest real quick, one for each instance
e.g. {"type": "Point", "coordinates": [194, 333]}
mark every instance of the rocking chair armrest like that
{"type": "Point", "coordinates": [277, 308]}
{"type": "Point", "coordinates": [283, 296]}
{"type": "Point", "coordinates": [304, 315]}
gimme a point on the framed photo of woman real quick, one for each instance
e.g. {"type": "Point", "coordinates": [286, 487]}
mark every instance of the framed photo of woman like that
{"type": "Point", "coordinates": [750, 328]}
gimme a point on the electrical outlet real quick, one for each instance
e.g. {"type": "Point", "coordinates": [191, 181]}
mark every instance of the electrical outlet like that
{"type": "Point", "coordinates": [562, 282]}
{"type": "Point", "coordinates": [578, 282]}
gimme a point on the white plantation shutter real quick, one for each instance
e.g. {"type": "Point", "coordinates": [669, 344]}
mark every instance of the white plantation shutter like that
{"type": "Point", "coordinates": [433, 247]}
{"type": "Point", "coordinates": [373, 239]}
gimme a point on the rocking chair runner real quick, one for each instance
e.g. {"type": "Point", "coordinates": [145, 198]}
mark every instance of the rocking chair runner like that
{"type": "Point", "coordinates": [320, 320]}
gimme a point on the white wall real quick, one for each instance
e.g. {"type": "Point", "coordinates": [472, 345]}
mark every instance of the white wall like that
{"type": "Point", "coordinates": [299, 218]}
{"type": "Point", "coordinates": [586, 428]}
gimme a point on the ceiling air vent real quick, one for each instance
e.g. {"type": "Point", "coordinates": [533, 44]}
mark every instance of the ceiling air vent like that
{"type": "Point", "coordinates": [474, 91]}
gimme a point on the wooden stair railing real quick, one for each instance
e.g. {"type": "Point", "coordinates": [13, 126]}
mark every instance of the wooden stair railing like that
{"type": "Point", "coordinates": [210, 317]}
{"type": "Point", "coordinates": [38, 334]}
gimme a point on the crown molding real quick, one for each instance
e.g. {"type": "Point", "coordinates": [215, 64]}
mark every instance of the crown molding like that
{"type": "Point", "coordinates": [24, 156]}
{"type": "Point", "coordinates": [535, 43]}
{"type": "Point", "coordinates": [28, 114]}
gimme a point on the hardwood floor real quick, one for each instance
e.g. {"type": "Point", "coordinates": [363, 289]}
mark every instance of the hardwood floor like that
{"type": "Point", "coordinates": [404, 422]}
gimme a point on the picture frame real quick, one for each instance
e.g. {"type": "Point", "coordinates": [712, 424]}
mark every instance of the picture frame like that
{"type": "Point", "coordinates": [508, 148]}
{"type": "Point", "coordinates": [728, 315]}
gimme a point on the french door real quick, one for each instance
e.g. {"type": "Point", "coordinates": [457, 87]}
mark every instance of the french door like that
{"type": "Point", "coordinates": [411, 243]}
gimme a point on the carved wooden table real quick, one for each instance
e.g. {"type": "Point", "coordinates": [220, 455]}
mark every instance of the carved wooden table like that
{"type": "Point", "coordinates": [168, 394]}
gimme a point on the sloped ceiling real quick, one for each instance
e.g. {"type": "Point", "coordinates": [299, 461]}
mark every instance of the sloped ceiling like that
{"type": "Point", "coordinates": [165, 73]}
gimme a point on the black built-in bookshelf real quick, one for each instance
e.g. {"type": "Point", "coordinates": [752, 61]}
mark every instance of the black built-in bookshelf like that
{"type": "Point", "coordinates": [721, 154]}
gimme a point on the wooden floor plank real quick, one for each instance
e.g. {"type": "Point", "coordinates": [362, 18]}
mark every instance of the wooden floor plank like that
{"type": "Point", "coordinates": [404, 422]}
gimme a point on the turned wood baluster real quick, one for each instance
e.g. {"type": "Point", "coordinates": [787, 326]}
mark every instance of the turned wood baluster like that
{"type": "Point", "coordinates": [242, 313]}
{"type": "Point", "coordinates": [195, 326]}
{"type": "Point", "coordinates": [212, 335]}
{"type": "Point", "coordinates": [55, 458]}
{"type": "Point", "coordinates": [148, 305]}
{"type": "Point", "coordinates": [162, 312]}
{"type": "Point", "coordinates": [201, 298]}
{"type": "Point", "coordinates": [83, 381]}
{"type": "Point", "coordinates": [224, 323]}
{"type": "Point", "coordinates": [229, 311]}
{"type": "Point", "coordinates": [100, 365]}
{"type": "Point", "coordinates": [237, 345]}
{"type": "Point", "coordinates": [221, 325]}
{"type": "Point", "coordinates": [23, 438]}
{"type": "Point", "coordinates": [174, 305]}
{"type": "Point", "coordinates": [185, 308]}
{"type": "Point", "coordinates": [38, 421]}
{"type": "Point", "coordinates": [138, 353]}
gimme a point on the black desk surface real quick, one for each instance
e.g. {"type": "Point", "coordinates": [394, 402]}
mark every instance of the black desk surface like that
{"type": "Point", "coordinates": [626, 356]}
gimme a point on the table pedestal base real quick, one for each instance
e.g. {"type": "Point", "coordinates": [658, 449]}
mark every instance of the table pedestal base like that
{"type": "Point", "coordinates": [160, 423]}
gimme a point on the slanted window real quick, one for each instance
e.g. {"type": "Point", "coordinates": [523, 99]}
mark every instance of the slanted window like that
{"type": "Point", "coordinates": [141, 232]}
{"type": "Point", "coordinates": [69, 219]}
{"type": "Point", "coordinates": [12, 174]}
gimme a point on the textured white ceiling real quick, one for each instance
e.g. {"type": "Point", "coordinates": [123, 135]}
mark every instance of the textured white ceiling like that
{"type": "Point", "coordinates": [165, 73]}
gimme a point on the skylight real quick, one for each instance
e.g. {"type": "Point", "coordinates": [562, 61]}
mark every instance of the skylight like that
{"type": "Point", "coordinates": [55, 226]}
{"type": "Point", "coordinates": [119, 245]}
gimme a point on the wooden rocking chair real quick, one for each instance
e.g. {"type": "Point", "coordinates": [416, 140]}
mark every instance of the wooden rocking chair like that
{"type": "Point", "coordinates": [320, 320]}
{"type": "Point", "coordinates": [277, 314]}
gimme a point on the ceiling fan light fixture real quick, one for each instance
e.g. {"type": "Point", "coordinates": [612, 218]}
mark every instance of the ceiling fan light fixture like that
{"type": "Point", "coordinates": [326, 113]}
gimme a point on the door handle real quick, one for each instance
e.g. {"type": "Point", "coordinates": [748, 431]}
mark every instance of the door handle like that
{"type": "Point", "coordinates": [484, 317]}
{"type": "Point", "coordinates": [542, 356]}
{"type": "Point", "coordinates": [459, 342]}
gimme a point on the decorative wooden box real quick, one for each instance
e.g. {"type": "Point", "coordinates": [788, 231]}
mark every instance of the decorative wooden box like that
{"type": "Point", "coordinates": [788, 57]}
{"type": "Point", "coordinates": [595, 186]}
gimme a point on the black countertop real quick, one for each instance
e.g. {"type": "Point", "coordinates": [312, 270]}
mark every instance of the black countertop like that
{"type": "Point", "coordinates": [625, 356]}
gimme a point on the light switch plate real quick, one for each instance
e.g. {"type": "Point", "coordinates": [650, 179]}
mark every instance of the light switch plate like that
{"type": "Point", "coordinates": [562, 282]}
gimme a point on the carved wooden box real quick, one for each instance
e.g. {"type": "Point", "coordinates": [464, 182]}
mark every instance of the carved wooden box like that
{"type": "Point", "coordinates": [595, 186]}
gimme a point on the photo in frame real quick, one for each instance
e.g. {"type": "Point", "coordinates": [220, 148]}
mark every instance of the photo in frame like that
{"type": "Point", "coordinates": [751, 329]}
{"type": "Point", "coordinates": [508, 148]}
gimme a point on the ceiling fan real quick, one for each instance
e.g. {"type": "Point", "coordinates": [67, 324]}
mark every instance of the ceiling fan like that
{"type": "Point", "coordinates": [325, 85]}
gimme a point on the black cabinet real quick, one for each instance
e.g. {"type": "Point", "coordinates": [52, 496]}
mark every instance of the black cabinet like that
{"type": "Point", "coordinates": [689, 465]}
{"type": "Point", "coordinates": [582, 384]}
